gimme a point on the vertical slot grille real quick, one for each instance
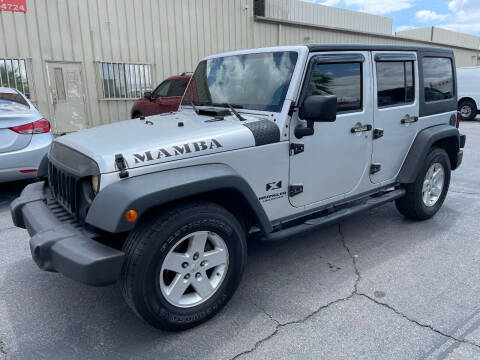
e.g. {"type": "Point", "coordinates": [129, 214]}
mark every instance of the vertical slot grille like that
{"type": "Point", "coordinates": [64, 188]}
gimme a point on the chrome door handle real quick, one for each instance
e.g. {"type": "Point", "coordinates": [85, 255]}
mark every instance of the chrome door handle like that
{"type": "Point", "coordinates": [409, 119]}
{"type": "Point", "coordinates": [360, 128]}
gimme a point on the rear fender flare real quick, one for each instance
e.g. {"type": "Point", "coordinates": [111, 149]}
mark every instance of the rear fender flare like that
{"type": "Point", "coordinates": [422, 144]}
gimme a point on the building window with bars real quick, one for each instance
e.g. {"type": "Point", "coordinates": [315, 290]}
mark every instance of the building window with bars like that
{"type": "Point", "coordinates": [13, 74]}
{"type": "Point", "coordinates": [124, 81]}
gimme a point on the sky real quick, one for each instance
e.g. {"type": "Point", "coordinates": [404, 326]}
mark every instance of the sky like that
{"type": "Point", "coordinates": [457, 15]}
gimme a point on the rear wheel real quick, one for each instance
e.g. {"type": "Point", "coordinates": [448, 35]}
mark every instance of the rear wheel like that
{"type": "Point", "coordinates": [183, 266]}
{"type": "Point", "coordinates": [425, 196]}
{"type": "Point", "coordinates": [467, 109]}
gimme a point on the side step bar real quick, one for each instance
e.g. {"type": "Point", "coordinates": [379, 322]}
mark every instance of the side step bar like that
{"type": "Point", "coordinates": [335, 216]}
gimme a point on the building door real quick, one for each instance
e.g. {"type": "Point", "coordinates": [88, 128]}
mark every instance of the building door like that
{"type": "Point", "coordinates": [66, 96]}
{"type": "Point", "coordinates": [396, 111]}
{"type": "Point", "coordinates": [337, 155]}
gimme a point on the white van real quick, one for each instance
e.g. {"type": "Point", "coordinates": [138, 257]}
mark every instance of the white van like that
{"type": "Point", "coordinates": [468, 79]}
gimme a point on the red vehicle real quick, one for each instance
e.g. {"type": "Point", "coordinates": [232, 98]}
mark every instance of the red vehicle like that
{"type": "Point", "coordinates": [165, 98]}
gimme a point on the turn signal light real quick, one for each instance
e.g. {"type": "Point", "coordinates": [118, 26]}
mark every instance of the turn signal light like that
{"type": "Point", "coordinates": [38, 127]}
{"type": "Point", "coordinates": [131, 215]}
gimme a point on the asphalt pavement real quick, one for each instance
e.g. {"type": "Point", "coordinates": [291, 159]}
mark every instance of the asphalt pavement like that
{"type": "Point", "coordinates": [375, 286]}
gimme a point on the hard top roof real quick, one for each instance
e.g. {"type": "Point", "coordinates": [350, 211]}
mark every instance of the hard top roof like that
{"type": "Point", "coordinates": [376, 47]}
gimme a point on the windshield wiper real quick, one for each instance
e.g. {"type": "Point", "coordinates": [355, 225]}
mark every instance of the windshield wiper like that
{"type": "Point", "coordinates": [230, 106]}
{"type": "Point", "coordinates": [235, 112]}
{"type": "Point", "coordinates": [232, 109]}
{"type": "Point", "coordinates": [194, 108]}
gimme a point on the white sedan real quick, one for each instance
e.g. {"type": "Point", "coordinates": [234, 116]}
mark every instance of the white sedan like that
{"type": "Point", "coordinates": [24, 136]}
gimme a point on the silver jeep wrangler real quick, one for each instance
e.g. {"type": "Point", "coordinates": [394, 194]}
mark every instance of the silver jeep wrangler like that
{"type": "Point", "coordinates": [266, 143]}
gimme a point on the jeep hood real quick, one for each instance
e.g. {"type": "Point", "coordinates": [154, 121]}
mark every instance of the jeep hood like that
{"type": "Point", "coordinates": [163, 138]}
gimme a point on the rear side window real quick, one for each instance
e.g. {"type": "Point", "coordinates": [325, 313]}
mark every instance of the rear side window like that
{"type": "Point", "coordinates": [341, 79]}
{"type": "Point", "coordinates": [395, 83]}
{"type": "Point", "coordinates": [437, 78]}
{"type": "Point", "coordinates": [177, 88]}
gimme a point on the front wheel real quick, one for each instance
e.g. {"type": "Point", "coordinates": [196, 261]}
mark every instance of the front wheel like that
{"type": "Point", "coordinates": [183, 266]}
{"type": "Point", "coordinates": [426, 195]}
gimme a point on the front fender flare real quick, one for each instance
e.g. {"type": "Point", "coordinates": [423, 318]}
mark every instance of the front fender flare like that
{"type": "Point", "coordinates": [144, 192]}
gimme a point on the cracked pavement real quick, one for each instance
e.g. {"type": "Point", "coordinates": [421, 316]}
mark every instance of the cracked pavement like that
{"type": "Point", "coordinates": [375, 286]}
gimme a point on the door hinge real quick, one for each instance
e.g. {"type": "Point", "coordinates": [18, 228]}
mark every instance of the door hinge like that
{"type": "Point", "coordinates": [296, 148]}
{"type": "Point", "coordinates": [377, 133]}
{"type": "Point", "coordinates": [292, 108]}
{"type": "Point", "coordinates": [295, 190]}
{"type": "Point", "coordinates": [121, 165]}
{"type": "Point", "coordinates": [374, 168]}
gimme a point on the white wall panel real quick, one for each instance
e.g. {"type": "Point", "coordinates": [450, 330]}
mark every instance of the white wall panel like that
{"type": "Point", "coordinates": [294, 35]}
{"type": "Point", "coordinates": [424, 34]}
{"type": "Point", "coordinates": [436, 34]}
{"type": "Point", "coordinates": [307, 12]}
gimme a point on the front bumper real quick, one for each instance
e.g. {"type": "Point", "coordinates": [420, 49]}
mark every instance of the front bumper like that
{"type": "Point", "coordinates": [58, 244]}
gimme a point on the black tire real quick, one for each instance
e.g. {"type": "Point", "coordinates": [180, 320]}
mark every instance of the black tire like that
{"type": "Point", "coordinates": [467, 104]}
{"type": "Point", "coordinates": [412, 204]}
{"type": "Point", "coordinates": [146, 248]}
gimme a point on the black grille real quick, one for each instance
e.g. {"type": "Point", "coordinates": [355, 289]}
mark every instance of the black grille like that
{"type": "Point", "coordinates": [61, 214]}
{"type": "Point", "coordinates": [64, 188]}
{"type": "Point", "coordinates": [65, 217]}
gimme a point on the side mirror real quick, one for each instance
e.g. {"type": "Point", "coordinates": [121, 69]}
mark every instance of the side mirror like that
{"type": "Point", "coordinates": [321, 108]}
{"type": "Point", "coordinates": [316, 108]}
{"type": "Point", "coordinates": [148, 95]}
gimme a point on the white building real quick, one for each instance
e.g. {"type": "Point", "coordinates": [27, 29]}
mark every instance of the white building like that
{"type": "Point", "coordinates": [84, 62]}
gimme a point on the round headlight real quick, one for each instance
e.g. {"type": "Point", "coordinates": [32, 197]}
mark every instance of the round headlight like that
{"type": "Point", "coordinates": [95, 183]}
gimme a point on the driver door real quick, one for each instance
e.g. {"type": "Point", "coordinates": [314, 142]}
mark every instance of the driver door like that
{"type": "Point", "coordinates": [158, 98]}
{"type": "Point", "coordinates": [167, 96]}
{"type": "Point", "coordinates": [337, 156]}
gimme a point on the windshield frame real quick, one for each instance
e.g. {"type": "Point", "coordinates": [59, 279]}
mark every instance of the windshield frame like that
{"type": "Point", "coordinates": [251, 108]}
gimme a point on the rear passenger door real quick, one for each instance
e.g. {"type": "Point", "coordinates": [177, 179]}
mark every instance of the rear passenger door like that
{"type": "Point", "coordinates": [395, 112]}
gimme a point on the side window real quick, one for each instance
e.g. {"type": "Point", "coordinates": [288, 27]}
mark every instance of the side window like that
{"type": "Point", "coordinates": [437, 78]}
{"type": "Point", "coordinates": [341, 79]}
{"type": "Point", "coordinates": [395, 83]}
{"type": "Point", "coordinates": [178, 87]}
{"type": "Point", "coordinates": [162, 89]}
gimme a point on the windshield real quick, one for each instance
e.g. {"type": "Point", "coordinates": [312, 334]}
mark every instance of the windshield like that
{"type": "Point", "coordinates": [250, 81]}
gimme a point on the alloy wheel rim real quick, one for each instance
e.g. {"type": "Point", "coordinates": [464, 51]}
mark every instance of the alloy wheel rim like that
{"type": "Point", "coordinates": [466, 111]}
{"type": "Point", "coordinates": [433, 184]}
{"type": "Point", "coordinates": [194, 269]}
